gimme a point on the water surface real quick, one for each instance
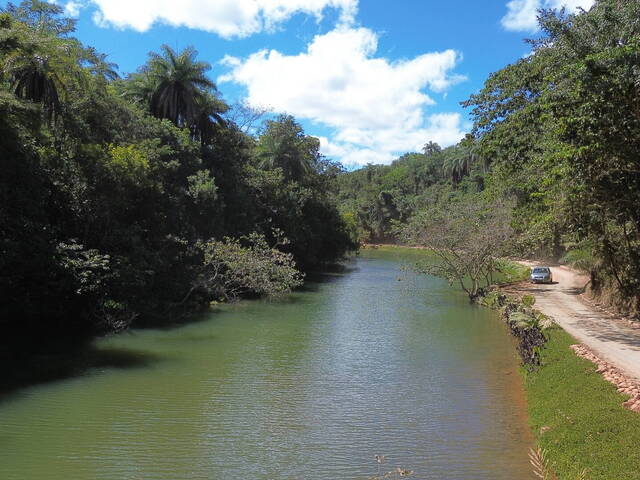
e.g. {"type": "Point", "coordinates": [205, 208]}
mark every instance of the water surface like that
{"type": "Point", "coordinates": [371, 360]}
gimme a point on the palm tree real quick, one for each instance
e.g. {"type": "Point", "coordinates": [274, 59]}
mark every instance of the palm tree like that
{"type": "Point", "coordinates": [454, 167]}
{"type": "Point", "coordinates": [209, 110]}
{"type": "Point", "coordinates": [431, 148]}
{"type": "Point", "coordinates": [32, 78]}
{"type": "Point", "coordinates": [284, 145]}
{"type": "Point", "coordinates": [99, 65]}
{"type": "Point", "coordinates": [40, 68]}
{"type": "Point", "coordinates": [40, 62]}
{"type": "Point", "coordinates": [179, 85]}
{"type": "Point", "coordinates": [138, 88]}
{"type": "Point", "coordinates": [464, 159]}
{"type": "Point", "coordinates": [471, 149]}
{"type": "Point", "coordinates": [459, 161]}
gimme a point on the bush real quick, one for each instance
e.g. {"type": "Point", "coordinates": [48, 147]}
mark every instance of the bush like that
{"type": "Point", "coordinates": [246, 267]}
{"type": "Point", "coordinates": [528, 300]}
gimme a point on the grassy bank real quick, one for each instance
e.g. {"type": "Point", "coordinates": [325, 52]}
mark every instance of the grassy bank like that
{"type": "Point", "coordinates": [512, 272]}
{"type": "Point", "coordinates": [578, 418]}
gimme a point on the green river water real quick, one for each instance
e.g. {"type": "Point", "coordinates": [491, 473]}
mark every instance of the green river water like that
{"type": "Point", "coordinates": [373, 360]}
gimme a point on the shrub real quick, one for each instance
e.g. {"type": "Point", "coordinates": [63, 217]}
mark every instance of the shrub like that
{"type": "Point", "coordinates": [247, 266]}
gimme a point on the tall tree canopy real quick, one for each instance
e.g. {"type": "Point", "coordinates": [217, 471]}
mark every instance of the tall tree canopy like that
{"type": "Point", "coordinates": [284, 145]}
{"type": "Point", "coordinates": [563, 128]}
{"type": "Point", "coordinates": [174, 86]}
{"type": "Point", "coordinates": [128, 201]}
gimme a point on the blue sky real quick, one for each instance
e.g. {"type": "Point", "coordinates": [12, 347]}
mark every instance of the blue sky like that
{"type": "Point", "coordinates": [372, 78]}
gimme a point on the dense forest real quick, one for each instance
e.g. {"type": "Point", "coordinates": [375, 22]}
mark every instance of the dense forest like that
{"type": "Point", "coordinates": [126, 201]}
{"type": "Point", "coordinates": [556, 142]}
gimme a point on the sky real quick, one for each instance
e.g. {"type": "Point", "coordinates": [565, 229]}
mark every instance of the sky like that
{"type": "Point", "coordinates": [372, 79]}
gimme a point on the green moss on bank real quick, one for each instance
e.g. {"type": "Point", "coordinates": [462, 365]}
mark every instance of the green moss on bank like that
{"type": "Point", "coordinates": [578, 417]}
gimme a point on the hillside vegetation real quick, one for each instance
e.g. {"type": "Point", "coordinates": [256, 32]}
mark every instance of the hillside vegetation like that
{"type": "Point", "coordinates": [127, 201]}
{"type": "Point", "coordinates": [555, 141]}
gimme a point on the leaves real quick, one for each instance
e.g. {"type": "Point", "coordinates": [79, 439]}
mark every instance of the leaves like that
{"type": "Point", "coordinates": [248, 265]}
{"type": "Point", "coordinates": [562, 128]}
{"type": "Point", "coordinates": [104, 209]}
{"type": "Point", "coordinates": [468, 238]}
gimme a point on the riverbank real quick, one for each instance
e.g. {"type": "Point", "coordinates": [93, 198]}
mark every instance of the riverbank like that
{"type": "Point", "coordinates": [578, 418]}
{"type": "Point", "coordinates": [583, 426]}
{"type": "Point", "coordinates": [512, 271]}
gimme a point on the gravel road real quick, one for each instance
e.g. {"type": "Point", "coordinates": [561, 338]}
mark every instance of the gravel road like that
{"type": "Point", "coordinates": [613, 339]}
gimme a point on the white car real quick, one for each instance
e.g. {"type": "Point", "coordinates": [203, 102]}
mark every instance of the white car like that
{"type": "Point", "coordinates": [541, 275]}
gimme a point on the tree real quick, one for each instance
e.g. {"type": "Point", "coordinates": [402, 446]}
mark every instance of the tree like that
{"type": "Point", "coordinates": [44, 61]}
{"type": "Point", "coordinates": [245, 116]}
{"type": "Point", "coordinates": [563, 130]}
{"type": "Point", "coordinates": [104, 212]}
{"type": "Point", "coordinates": [42, 16]}
{"type": "Point", "coordinates": [284, 145]}
{"type": "Point", "coordinates": [468, 239]}
{"type": "Point", "coordinates": [455, 167]}
{"type": "Point", "coordinates": [208, 116]}
{"type": "Point", "coordinates": [174, 86]}
{"type": "Point", "coordinates": [99, 65]}
{"type": "Point", "coordinates": [431, 148]}
{"type": "Point", "coordinates": [33, 77]}
{"type": "Point", "coordinates": [248, 265]}
{"type": "Point", "coordinates": [179, 85]}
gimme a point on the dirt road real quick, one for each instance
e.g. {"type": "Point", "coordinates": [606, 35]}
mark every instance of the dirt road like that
{"type": "Point", "coordinates": [611, 338]}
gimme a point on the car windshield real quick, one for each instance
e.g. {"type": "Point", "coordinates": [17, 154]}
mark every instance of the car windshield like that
{"type": "Point", "coordinates": [541, 270]}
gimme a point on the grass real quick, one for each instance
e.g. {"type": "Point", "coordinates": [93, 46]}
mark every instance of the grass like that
{"type": "Point", "coordinates": [512, 272]}
{"type": "Point", "coordinates": [578, 417]}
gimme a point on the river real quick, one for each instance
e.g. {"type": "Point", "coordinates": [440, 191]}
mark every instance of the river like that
{"type": "Point", "coordinates": [372, 360]}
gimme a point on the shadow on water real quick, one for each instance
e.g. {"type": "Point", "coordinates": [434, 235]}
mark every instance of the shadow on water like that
{"type": "Point", "coordinates": [36, 365]}
{"type": "Point", "coordinates": [34, 362]}
{"type": "Point", "coordinates": [173, 320]}
{"type": "Point", "coordinates": [332, 273]}
{"type": "Point", "coordinates": [313, 282]}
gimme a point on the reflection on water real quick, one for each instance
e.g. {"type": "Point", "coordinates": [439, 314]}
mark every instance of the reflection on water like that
{"type": "Point", "coordinates": [371, 360]}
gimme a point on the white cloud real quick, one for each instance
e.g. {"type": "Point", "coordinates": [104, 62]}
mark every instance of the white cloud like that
{"type": "Point", "coordinates": [443, 128]}
{"type": "Point", "coordinates": [375, 106]}
{"type": "Point", "coordinates": [227, 18]}
{"type": "Point", "coordinates": [72, 9]}
{"type": "Point", "coordinates": [522, 14]}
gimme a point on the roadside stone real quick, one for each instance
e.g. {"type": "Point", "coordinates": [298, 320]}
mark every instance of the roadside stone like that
{"type": "Point", "coordinates": [623, 384]}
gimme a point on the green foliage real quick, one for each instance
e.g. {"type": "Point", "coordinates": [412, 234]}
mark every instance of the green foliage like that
{"type": "Point", "coordinates": [174, 86]}
{"type": "Point", "coordinates": [87, 267]}
{"type": "Point", "coordinates": [562, 130]}
{"type": "Point", "coordinates": [202, 187]}
{"type": "Point", "coordinates": [581, 256]}
{"type": "Point", "coordinates": [509, 272]}
{"type": "Point", "coordinates": [433, 199]}
{"type": "Point", "coordinates": [284, 145]}
{"type": "Point", "coordinates": [108, 188]}
{"type": "Point", "coordinates": [580, 422]}
{"type": "Point", "coordinates": [356, 235]}
{"type": "Point", "coordinates": [493, 299]}
{"type": "Point", "coordinates": [522, 320]}
{"type": "Point", "coordinates": [528, 300]}
{"type": "Point", "coordinates": [384, 197]}
{"type": "Point", "coordinates": [468, 238]}
{"type": "Point", "coordinates": [248, 265]}
{"type": "Point", "coordinates": [128, 162]}
{"type": "Point", "coordinates": [179, 83]}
